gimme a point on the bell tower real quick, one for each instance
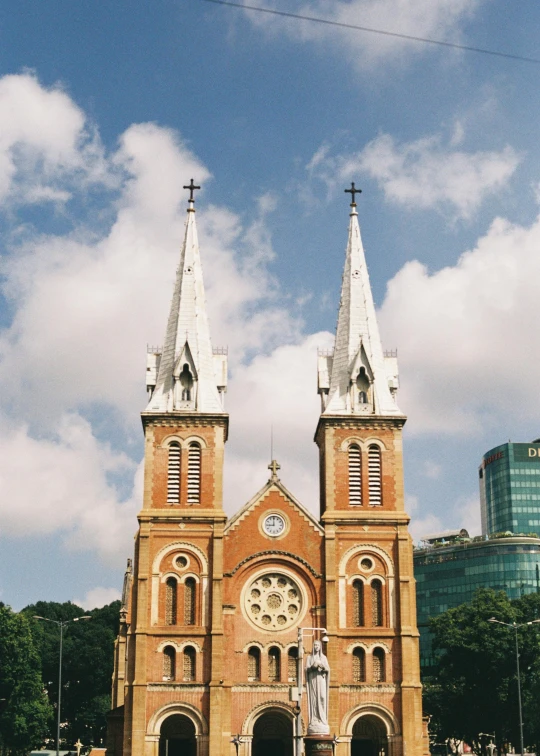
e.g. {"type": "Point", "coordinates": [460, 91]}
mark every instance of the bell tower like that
{"type": "Point", "coordinates": [369, 584]}
{"type": "Point", "coordinates": [173, 623]}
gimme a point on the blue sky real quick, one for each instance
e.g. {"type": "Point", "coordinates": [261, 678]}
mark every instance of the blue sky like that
{"type": "Point", "coordinates": [107, 109]}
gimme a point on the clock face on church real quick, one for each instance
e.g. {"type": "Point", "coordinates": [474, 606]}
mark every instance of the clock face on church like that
{"type": "Point", "coordinates": [274, 525]}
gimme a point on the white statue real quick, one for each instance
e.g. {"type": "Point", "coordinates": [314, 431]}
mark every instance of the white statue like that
{"type": "Point", "coordinates": [317, 683]}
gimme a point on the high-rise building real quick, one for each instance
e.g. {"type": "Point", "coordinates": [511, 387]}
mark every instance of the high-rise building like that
{"type": "Point", "coordinates": [449, 573]}
{"type": "Point", "coordinates": [510, 489]}
{"type": "Point", "coordinates": [212, 606]}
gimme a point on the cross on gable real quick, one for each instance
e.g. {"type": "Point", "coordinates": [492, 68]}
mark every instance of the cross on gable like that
{"type": "Point", "coordinates": [274, 467]}
{"type": "Point", "coordinates": [352, 191]}
{"type": "Point", "coordinates": [191, 186]}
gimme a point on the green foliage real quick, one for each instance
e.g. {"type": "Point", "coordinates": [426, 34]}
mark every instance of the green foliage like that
{"type": "Point", "coordinates": [474, 686]}
{"type": "Point", "coordinates": [25, 711]}
{"type": "Point", "coordinates": [86, 670]}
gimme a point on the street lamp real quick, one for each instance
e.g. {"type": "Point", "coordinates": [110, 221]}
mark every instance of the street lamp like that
{"type": "Point", "coordinates": [515, 627]}
{"type": "Point", "coordinates": [61, 625]}
{"type": "Point", "coordinates": [299, 677]}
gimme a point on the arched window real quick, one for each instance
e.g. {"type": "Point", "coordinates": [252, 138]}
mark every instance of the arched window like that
{"type": "Point", "coordinates": [169, 663]}
{"type": "Point", "coordinates": [362, 385]}
{"type": "Point", "coordinates": [355, 475]}
{"type": "Point", "coordinates": [358, 603]}
{"type": "Point", "coordinates": [274, 664]}
{"type": "Point", "coordinates": [186, 381]}
{"type": "Point", "coordinates": [376, 603]}
{"type": "Point", "coordinates": [254, 664]}
{"type": "Point", "coordinates": [194, 473]}
{"type": "Point", "coordinates": [173, 474]}
{"type": "Point", "coordinates": [170, 601]}
{"type": "Point", "coordinates": [359, 665]}
{"type": "Point", "coordinates": [379, 671]}
{"type": "Point", "coordinates": [190, 587]}
{"type": "Point", "coordinates": [189, 663]}
{"type": "Point", "coordinates": [292, 662]}
{"type": "Point", "coordinates": [374, 476]}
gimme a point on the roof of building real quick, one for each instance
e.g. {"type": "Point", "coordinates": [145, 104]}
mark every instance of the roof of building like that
{"type": "Point", "coordinates": [187, 349]}
{"type": "Point", "coordinates": [358, 344]}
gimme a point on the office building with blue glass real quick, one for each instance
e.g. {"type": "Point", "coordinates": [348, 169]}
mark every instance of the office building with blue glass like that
{"type": "Point", "coordinates": [510, 489]}
{"type": "Point", "coordinates": [449, 568]}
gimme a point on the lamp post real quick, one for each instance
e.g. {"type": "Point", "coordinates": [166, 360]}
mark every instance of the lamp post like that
{"type": "Point", "coordinates": [515, 627]}
{"type": "Point", "coordinates": [61, 625]}
{"type": "Point", "coordinates": [300, 678]}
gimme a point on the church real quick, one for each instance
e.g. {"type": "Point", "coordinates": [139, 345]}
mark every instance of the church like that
{"type": "Point", "coordinates": [219, 613]}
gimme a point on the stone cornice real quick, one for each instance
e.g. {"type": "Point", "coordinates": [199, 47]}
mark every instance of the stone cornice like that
{"type": "Point", "coordinates": [185, 419]}
{"type": "Point", "coordinates": [182, 516]}
{"type": "Point", "coordinates": [273, 552]}
{"type": "Point", "coordinates": [354, 422]}
{"type": "Point", "coordinates": [367, 517]}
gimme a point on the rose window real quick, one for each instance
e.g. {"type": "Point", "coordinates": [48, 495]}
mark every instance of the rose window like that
{"type": "Point", "coordinates": [273, 602]}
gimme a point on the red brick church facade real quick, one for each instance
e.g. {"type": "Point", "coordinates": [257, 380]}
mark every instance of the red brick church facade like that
{"type": "Point", "coordinates": [207, 649]}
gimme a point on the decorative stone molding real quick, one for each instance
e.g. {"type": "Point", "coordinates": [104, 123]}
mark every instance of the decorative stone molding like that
{"type": "Point", "coordinates": [262, 688]}
{"type": "Point", "coordinates": [377, 710]}
{"type": "Point", "coordinates": [372, 688]}
{"type": "Point", "coordinates": [168, 686]}
{"type": "Point", "coordinates": [273, 552]}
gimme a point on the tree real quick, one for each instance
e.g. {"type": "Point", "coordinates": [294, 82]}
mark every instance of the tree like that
{"type": "Point", "coordinates": [25, 711]}
{"type": "Point", "coordinates": [87, 667]}
{"type": "Point", "coordinates": [473, 688]}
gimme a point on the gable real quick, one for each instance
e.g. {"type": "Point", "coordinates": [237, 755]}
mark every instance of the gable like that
{"type": "Point", "coordinates": [245, 536]}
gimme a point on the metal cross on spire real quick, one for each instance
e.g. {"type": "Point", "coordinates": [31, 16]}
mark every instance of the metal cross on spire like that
{"type": "Point", "coordinates": [352, 191]}
{"type": "Point", "coordinates": [191, 188]}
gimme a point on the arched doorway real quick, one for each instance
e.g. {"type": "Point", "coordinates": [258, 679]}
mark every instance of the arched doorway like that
{"type": "Point", "coordinates": [177, 736]}
{"type": "Point", "coordinates": [273, 735]}
{"type": "Point", "coordinates": [369, 737]}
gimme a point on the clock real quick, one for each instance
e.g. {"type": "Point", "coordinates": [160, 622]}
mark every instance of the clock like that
{"type": "Point", "coordinates": [274, 525]}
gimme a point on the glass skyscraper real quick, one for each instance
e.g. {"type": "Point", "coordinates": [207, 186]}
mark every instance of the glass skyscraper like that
{"type": "Point", "coordinates": [510, 489]}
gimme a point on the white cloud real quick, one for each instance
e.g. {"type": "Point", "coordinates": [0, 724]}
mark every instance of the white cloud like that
{"type": "Point", "coordinates": [98, 597]}
{"type": "Point", "coordinates": [62, 484]}
{"type": "Point", "coordinates": [435, 19]}
{"type": "Point", "coordinates": [426, 173]}
{"type": "Point", "coordinates": [44, 137]}
{"type": "Point", "coordinates": [467, 336]}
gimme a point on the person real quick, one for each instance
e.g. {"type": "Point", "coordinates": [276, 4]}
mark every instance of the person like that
{"type": "Point", "coordinates": [317, 683]}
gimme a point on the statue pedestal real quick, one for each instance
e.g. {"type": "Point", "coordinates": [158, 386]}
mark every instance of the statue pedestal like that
{"type": "Point", "coordinates": [318, 745]}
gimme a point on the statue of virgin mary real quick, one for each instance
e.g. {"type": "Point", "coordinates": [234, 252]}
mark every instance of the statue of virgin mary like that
{"type": "Point", "coordinates": [317, 683]}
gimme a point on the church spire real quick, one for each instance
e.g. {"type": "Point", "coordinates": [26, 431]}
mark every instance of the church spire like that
{"type": "Point", "coordinates": [186, 376]}
{"type": "Point", "coordinates": [358, 378]}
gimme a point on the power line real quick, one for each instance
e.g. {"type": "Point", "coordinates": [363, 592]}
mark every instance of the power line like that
{"type": "Point", "coordinates": [343, 25]}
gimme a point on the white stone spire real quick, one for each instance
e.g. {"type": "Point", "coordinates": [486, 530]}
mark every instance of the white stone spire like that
{"type": "Point", "coordinates": [187, 376]}
{"type": "Point", "coordinates": [357, 379]}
